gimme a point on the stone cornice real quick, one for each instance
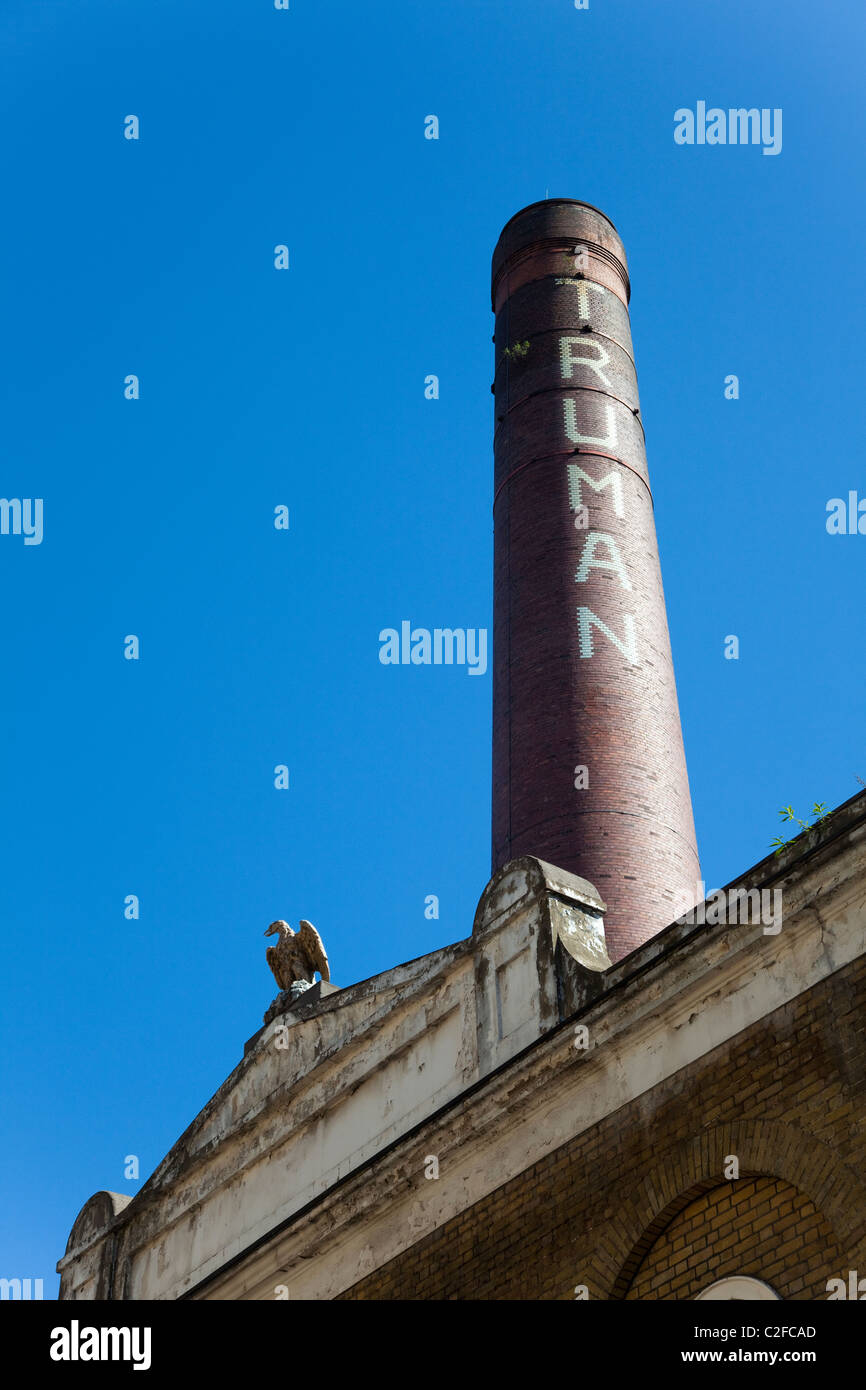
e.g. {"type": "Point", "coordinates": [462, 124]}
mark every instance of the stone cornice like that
{"type": "Point", "coordinates": [678, 998]}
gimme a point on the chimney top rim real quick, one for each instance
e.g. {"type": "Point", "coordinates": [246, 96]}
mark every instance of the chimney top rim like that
{"type": "Point", "coordinates": [547, 202]}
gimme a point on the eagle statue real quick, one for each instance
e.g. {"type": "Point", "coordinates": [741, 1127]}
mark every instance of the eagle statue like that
{"type": "Point", "coordinates": [297, 955]}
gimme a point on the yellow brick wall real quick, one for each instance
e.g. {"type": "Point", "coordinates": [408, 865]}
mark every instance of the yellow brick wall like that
{"type": "Point", "coordinates": [760, 1227]}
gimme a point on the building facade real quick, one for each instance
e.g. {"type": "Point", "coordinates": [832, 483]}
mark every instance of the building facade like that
{"type": "Point", "coordinates": [604, 1091]}
{"type": "Point", "coordinates": [514, 1118]}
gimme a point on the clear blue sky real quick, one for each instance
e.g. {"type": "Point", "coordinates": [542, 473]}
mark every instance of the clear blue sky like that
{"type": "Point", "coordinates": [306, 388]}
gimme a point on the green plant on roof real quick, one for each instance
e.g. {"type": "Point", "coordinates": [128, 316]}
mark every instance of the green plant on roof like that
{"type": "Point", "coordinates": [819, 812]}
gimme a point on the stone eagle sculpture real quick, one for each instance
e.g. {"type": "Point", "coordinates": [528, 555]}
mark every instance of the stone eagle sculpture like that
{"type": "Point", "coordinates": [297, 955]}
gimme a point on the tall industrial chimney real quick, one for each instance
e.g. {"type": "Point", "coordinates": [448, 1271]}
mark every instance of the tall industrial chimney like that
{"type": "Point", "coordinates": [589, 771]}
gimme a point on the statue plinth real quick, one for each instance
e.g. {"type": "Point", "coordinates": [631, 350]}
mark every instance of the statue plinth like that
{"type": "Point", "coordinates": [299, 1002]}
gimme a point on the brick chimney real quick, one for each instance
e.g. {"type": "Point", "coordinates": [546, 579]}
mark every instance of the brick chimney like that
{"type": "Point", "coordinates": [589, 771]}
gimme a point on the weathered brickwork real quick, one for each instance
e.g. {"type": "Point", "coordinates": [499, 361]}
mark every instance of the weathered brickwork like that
{"type": "Point", "coordinates": [638, 1206]}
{"type": "Point", "coordinates": [761, 1227]}
{"type": "Point", "coordinates": [566, 691]}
